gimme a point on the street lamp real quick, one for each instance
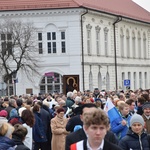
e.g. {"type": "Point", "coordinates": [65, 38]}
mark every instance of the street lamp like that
{"type": "Point", "coordinates": [14, 77]}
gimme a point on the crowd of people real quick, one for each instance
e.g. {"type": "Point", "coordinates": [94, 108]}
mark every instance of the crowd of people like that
{"type": "Point", "coordinates": [75, 121]}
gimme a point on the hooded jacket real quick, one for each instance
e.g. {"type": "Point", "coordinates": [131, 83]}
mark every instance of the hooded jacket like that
{"type": "Point", "coordinates": [134, 141]}
{"type": "Point", "coordinates": [19, 143]}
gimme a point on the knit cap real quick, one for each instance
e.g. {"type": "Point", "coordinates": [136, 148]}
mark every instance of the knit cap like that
{"type": "Point", "coordinates": [3, 113]}
{"type": "Point", "coordinates": [146, 105]}
{"type": "Point", "coordinates": [137, 119]}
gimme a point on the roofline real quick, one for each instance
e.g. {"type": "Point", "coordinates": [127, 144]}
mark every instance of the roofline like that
{"type": "Point", "coordinates": [116, 15]}
{"type": "Point", "coordinates": [77, 8]}
{"type": "Point", "coordinates": [40, 9]}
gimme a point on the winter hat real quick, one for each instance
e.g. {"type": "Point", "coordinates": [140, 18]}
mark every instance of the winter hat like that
{"type": "Point", "coordinates": [146, 105]}
{"type": "Point", "coordinates": [98, 99]}
{"type": "Point", "coordinates": [137, 118]}
{"type": "Point", "coordinates": [3, 113]}
{"type": "Point", "coordinates": [13, 113]}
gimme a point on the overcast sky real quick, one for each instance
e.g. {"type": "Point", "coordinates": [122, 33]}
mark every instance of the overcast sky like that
{"type": "Point", "coordinates": [143, 3]}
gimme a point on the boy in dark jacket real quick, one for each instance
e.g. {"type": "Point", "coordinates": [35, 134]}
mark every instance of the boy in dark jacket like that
{"type": "Point", "coordinates": [136, 138]}
{"type": "Point", "coordinates": [96, 125]}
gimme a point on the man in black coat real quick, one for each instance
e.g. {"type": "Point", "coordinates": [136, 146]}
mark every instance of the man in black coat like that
{"type": "Point", "coordinates": [45, 117]}
{"type": "Point", "coordinates": [80, 134]}
{"type": "Point", "coordinates": [75, 120]}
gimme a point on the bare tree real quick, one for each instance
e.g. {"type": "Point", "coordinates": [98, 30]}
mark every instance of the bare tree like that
{"type": "Point", "coordinates": [18, 49]}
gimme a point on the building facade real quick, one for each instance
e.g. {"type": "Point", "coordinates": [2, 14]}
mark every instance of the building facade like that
{"type": "Point", "coordinates": [90, 47]}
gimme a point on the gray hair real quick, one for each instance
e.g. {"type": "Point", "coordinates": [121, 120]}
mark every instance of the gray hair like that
{"type": "Point", "coordinates": [78, 99]}
{"type": "Point", "coordinates": [12, 102]}
{"type": "Point", "coordinates": [70, 94]}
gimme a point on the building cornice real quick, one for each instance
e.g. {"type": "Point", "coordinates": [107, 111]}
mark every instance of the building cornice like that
{"type": "Point", "coordinates": [50, 12]}
{"type": "Point", "coordinates": [118, 64]}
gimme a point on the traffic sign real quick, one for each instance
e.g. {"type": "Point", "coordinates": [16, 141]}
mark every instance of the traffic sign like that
{"type": "Point", "coordinates": [127, 82]}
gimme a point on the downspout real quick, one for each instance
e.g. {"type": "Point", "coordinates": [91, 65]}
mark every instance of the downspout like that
{"type": "Point", "coordinates": [115, 53]}
{"type": "Point", "coordinates": [82, 48]}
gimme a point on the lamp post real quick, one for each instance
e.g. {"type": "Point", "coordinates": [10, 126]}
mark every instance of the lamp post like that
{"type": "Point", "coordinates": [119, 18]}
{"type": "Point", "coordinates": [14, 75]}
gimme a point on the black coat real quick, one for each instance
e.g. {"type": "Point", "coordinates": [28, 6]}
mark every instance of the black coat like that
{"type": "Point", "coordinates": [80, 135]}
{"type": "Point", "coordinates": [107, 145]}
{"type": "Point", "coordinates": [45, 117]}
{"type": "Point", "coordinates": [133, 141]}
{"type": "Point", "coordinates": [110, 146]}
{"type": "Point", "coordinates": [75, 120]}
{"type": "Point", "coordinates": [19, 143]}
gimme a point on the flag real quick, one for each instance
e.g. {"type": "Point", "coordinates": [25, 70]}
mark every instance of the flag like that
{"type": "Point", "coordinates": [111, 110]}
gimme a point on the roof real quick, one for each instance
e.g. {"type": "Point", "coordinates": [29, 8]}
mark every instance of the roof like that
{"type": "Point", "coordinates": [125, 8]}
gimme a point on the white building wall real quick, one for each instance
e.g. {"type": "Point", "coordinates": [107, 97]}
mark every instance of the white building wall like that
{"type": "Point", "coordinates": [49, 20]}
{"type": "Point", "coordinates": [124, 64]}
{"type": "Point", "coordinates": [71, 61]}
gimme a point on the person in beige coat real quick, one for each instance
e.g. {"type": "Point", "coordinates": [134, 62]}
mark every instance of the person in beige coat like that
{"type": "Point", "coordinates": [58, 127]}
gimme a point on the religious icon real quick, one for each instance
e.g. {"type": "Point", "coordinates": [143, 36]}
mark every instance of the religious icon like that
{"type": "Point", "coordinates": [71, 83]}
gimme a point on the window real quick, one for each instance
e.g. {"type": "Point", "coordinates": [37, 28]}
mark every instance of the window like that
{"type": "Point", "coordinates": [40, 48]}
{"type": "Point", "coordinates": [135, 80]}
{"type": "Point", "coordinates": [97, 28]}
{"type": "Point", "coordinates": [107, 82]}
{"type": "Point", "coordinates": [99, 81]}
{"type": "Point", "coordinates": [63, 42]}
{"type": "Point", "coordinates": [140, 80]}
{"type": "Point", "coordinates": [122, 42]}
{"type": "Point", "coordinates": [123, 78]}
{"type": "Point", "coordinates": [133, 45]}
{"type": "Point", "coordinates": [39, 36]}
{"type": "Point", "coordinates": [89, 39]}
{"type": "Point", "coordinates": [144, 46]}
{"type": "Point", "coordinates": [10, 87]}
{"type": "Point", "coordinates": [51, 82]}
{"type": "Point", "coordinates": [145, 78]}
{"type": "Point", "coordinates": [90, 81]}
{"type": "Point", "coordinates": [139, 44]}
{"type": "Point", "coordinates": [129, 76]}
{"type": "Point", "coordinates": [40, 44]}
{"type": "Point", "coordinates": [51, 42]}
{"type": "Point", "coordinates": [106, 41]}
{"type": "Point", "coordinates": [6, 44]}
{"type": "Point", "coordinates": [128, 43]}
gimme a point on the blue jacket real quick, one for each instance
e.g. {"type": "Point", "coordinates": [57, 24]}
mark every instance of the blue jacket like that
{"type": "Point", "coordinates": [134, 141]}
{"type": "Point", "coordinates": [117, 128]}
{"type": "Point", "coordinates": [38, 129]}
{"type": "Point", "coordinates": [6, 143]}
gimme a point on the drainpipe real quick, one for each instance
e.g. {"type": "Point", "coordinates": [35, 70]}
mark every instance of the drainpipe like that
{"type": "Point", "coordinates": [82, 48]}
{"type": "Point", "coordinates": [115, 53]}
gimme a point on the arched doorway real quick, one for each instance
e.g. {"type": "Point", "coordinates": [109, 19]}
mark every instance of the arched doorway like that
{"type": "Point", "coordinates": [51, 82]}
